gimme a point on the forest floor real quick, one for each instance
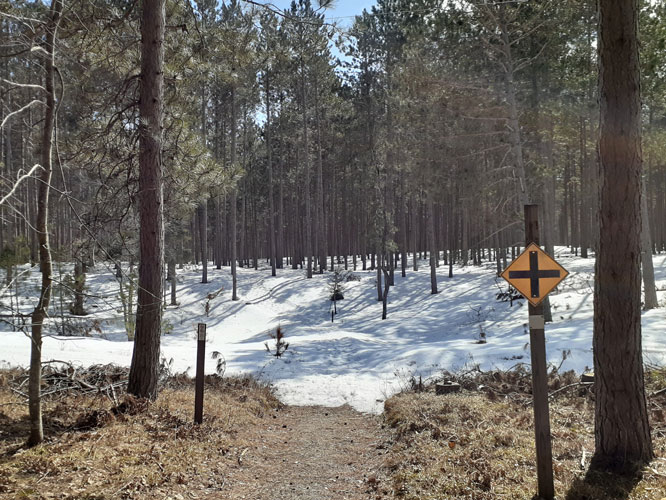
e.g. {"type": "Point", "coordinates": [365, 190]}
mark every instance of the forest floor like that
{"type": "Point", "coordinates": [477, 444]}
{"type": "Point", "coordinates": [249, 446]}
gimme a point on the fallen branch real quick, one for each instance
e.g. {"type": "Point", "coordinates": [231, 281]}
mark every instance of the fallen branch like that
{"type": "Point", "coordinates": [659, 392]}
{"type": "Point", "coordinates": [576, 384]}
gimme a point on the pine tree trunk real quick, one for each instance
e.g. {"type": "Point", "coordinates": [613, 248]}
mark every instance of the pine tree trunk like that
{"type": "Point", "coordinates": [387, 288]}
{"type": "Point", "coordinates": [146, 356]}
{"type": "Point", "coordinates": [380, 293]}
{"type": "Point", "coordinates": [319, 199]}
{"type": "Point", "coordinates": [173, 277]}
{"type": "Point", "coordinates": [622, 431]}
{"type": "Point", "coordinates": [431, 245]}
{"type": "Point", "coordinates": [202, 216]}
{"type": "Point", "coordinates": [271, 203]}
{"type": "Point", "coordinates": [217, 239]}
{"type": "Point", "coordinates": [194, 233]}
{"type": "Point", "coordinates": [233, 199]}
{"type": "Point", "coordinates": [514, 125]}
{"type": "Point", "coordinates": [414, 228]}
{"type": "Point", "coordinates": [79, 286]}
{"type": "Point", "coordinates": [307, 246]}
{"type": "Point", "coordinates": [651, 301]}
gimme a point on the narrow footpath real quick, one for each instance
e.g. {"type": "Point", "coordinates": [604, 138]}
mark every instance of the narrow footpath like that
{"type": "Point", "coordinates": [312, 453]}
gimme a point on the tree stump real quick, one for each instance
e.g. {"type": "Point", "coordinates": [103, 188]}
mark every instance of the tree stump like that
{"type": "Point", "coordinates": [447, 387]}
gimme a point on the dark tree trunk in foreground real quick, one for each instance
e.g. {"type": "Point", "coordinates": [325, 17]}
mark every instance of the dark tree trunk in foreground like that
{"type": "Point", "coordinates": [42, 229]}
{"type": "Point", "coordinates": [146, 356]}
{"type": "Point", "coordinates": [622, 431]}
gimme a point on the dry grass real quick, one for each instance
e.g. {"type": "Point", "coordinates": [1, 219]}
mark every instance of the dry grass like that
{"type": "Point", "coordinates": [136, 450]}
{"type": "Point", "coordinates": [476, 445]}
{"type": "Point", "coordinates": [479, 445]}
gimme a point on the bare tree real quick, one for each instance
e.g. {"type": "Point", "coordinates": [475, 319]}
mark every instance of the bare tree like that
{"type": "Point", "coordinates": [42, 229]}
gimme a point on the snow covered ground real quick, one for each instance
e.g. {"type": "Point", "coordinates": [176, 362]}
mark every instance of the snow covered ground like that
{"type": "Point", "coordinates": [358, 359]}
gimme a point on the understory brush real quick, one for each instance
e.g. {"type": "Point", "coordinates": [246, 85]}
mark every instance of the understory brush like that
{"type": "Point", "coordinates": [479, 443]}
{"type": "Point", "coordinates": [101, 446]}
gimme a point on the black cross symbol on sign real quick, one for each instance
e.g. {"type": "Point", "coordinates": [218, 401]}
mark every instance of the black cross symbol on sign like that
{"type": "Point", "coordinates": [534, 274]}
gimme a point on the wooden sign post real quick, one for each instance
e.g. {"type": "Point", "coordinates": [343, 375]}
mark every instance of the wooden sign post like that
{"type": "Point", "coordinates": [534, 274]}
{"type": "Point", "coordinates": [199, 382]}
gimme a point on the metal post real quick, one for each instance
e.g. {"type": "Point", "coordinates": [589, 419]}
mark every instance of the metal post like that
{"type": "Point", "coordinates": [544, 454]}
{"type": "Point", "coordinates": [199, 382]}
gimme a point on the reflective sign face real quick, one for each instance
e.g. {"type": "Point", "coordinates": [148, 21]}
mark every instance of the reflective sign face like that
{"type": "Point", "coordinates": [534, 274]}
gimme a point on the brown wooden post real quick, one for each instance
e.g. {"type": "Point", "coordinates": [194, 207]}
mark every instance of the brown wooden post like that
{"type": "Point", "coordinates": [199, 382]}
{"type": "Point", "coordinates": [544, 454]}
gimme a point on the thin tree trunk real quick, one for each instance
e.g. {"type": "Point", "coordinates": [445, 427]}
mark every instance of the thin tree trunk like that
{"type": "Point", "coordinates": [202, 216]}
{"type": "Point", "coordinates": [79, 285]}
{"type": "Point", "coordinates": [414, 228]}
{"type": "Point", "coordinates": [271, 203]}
{"type": "Point", "coordinates": [42, 230]}
{"type": "Point", "coordinates": [387, 288]}
{"type": "Point", "coordinates": [218, 254]}
{"type": "Point", "coordinates": [319, 199]}
{"type": "Point", "coordinates": [233, 201]}
{"type": "Point", "coordinates": [174, 280]}
{"type": "Point", "coordinates": [431, 245]}
{"type": "Point", "coordinates": [307, 247]}
{"type": "Point", "coordinates": [651, 301]}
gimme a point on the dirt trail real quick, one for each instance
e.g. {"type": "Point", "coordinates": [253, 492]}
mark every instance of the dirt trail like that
{"type": "Point", "coordinates": [312, 453]}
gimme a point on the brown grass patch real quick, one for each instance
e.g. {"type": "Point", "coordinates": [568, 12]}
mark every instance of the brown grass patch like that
{"type": "Point", "coordinates": [479, 444]}
{"type": "Point", "coordinates": [94, 450]}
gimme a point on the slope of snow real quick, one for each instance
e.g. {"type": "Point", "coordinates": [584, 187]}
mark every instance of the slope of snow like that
{"type": "Point", "coordinates": [358, 359]}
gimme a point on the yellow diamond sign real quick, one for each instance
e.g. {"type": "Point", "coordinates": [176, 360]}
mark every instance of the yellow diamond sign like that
{"type": "Point", "coordinates": [534, 274]}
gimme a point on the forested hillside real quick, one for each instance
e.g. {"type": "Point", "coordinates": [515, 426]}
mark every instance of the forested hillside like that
{"type": "Point", "coordinates": [147, 144]}
{"type": "Point", "coordinates": [426, 131]}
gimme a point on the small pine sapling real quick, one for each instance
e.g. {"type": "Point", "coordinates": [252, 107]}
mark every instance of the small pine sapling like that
{"type": "Point", "coordinates": [209, 298]}
{"type": "Point", "coordinates": [280, 345]}
{"type": "Point", "coordinates": [221, 365]}
{"type": "Point", "coordinates": [336, 287]}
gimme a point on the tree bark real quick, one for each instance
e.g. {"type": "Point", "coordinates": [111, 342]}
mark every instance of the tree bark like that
{"type": "Point", "coordinates": [146, 356]}
{"type": "Point", "coordinates": [431, 245]}
{"type": "Point", "coordinates": [319, 198]}
{"type": "Point", "coordinates": [174, 280]}
{"type": "Point", "coordinates": [307, 247]}
{"type": "Point", "coordinates": [202, 216]}
{"type": "Point", "coordinates": [622, 431]}
{"type": "Point", "coordinates": [271, 203]}
{"type": "Point", "coordinates": [42, 229]}
{"type": "Point", "coordinates": [79, 286]}
{"type": "Point", "coordinates": [233, 199]}
{"type": "Point", "coordinates": [387, 288]}
{"type": "Point", "coordinates": [647, 266]}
